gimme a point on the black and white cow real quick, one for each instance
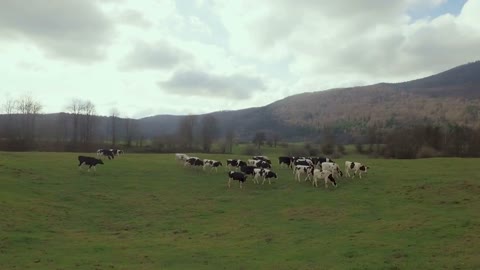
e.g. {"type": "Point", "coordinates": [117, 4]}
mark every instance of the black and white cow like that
{"type": "Point", "coordinates": [303, 170]}
{"type": "Point", "coordinates": [89, 161]}
{"type": "Point", "coordinates": [265, 174]}
{"type": "Point", "coordinates": [238, 176]}
{"type": "Point", "coordinates": [327, 176]}
{"type": "Point", "coordinates": [213, 164]}
{"type": "Point", "coordinates": [194, 161]}
{"type": "Point", "coordinates": [282, 161]}
{"type": "Point", "coordinates": [105, 153]}
{"type": "Point", "coordinates": [302, 162]}
{"type": "Point", "coordinates": [117, 152]}
{"type": "Point", "coordinates": [356, 167]}
{"type": "Point", "coordinates": [235, 163]}
{"type": "Point", "coordinates": [263, 158]}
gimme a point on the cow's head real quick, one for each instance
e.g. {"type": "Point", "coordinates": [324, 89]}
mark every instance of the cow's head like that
{"type": "Point", "coordinates": [363, 168]}
{"type": "Point", "coordinates": [99, 161]}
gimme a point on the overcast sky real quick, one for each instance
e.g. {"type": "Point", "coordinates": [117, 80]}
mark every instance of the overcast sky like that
{"type": "Point", "coordinates": [148, 57]}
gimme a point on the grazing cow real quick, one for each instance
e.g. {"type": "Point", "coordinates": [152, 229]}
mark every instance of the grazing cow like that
{"type": "Point", "coordinates": [301, 170]}
{"type": "Point", "coordinates": [302, 162]}
{"type": "Point", "coordinates": [285, 161]}
{"type": "Point", "coordinates": [239, 176]}
{"type": "Point", "coordinates": [181, 157]}
{"type": "Point", "coordinates": [192, 161]}
{"type": "Point", "coordinates": [106, 153]}
{"type": "Point", "coordinates": [89, 161]}
{"type": "Point", "coordinates": [265, 174]}
{"type": "Point", "coordinates": [263, 164]}
{"type": "Point", "coordinates": [248, 170]}
{"type": "Point", "coordinates": [252, 162]}
{"type": "Point", "coordinates": [213, 164]}
{"type": "Point", "coordinates": [333, 167]}
{"type": "Point", "coordinates": [327, 176]}
{"type": "Point", "coordinates": [235, 163]}
{"type": "Point", "coordinates": [356, 167]}
{"type": "Point", "coordinates": [116, 152]}
{"type": "Point", "coordinates": [318, 161]}
{"type": "Point", "coordinates": [263, 158]}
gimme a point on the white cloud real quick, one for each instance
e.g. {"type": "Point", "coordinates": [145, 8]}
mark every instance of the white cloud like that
{"type": "Point", "coordinates": [174, 56]}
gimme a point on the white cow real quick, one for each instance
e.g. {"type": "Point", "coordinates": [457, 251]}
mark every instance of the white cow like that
{"type": "Point", "coordinates": [181, 157]}
{"type": "Point", "coordinates": [327, 176]}
{"type": "Point", "coordinates": [333, 167]}
{"type": "Point", "coordinates": [356, 167]}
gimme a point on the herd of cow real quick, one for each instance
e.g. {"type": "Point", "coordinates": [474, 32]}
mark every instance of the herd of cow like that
{"type": "Point", "coordinates": [313, 168]}
{"type": "Point", "coordinates": [92, 162]}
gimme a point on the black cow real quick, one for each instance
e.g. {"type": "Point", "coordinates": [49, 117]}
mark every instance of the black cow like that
{"type": "Point", "coordinates": [239, 176]}
{"type": "Point", "coordinates": [285, 161]}
{"type": "Point", "coordinates": [248, 170]}
{"type": "Point", "coordinates": [90, 161]}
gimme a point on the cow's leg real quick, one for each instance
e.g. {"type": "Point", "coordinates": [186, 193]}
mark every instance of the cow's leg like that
{"type": "Point", "coordinates": [360, 174]}
{"type": "Point", "coordinates": [229, 180]}
{"type": "Point", "coordinates": [241, 184]}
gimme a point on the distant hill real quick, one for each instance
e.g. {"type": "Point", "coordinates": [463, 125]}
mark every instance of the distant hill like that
{"type": "Point", "coordinates": [452, 96]}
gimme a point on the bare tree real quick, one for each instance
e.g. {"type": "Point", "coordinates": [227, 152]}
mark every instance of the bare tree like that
{"type": "Point", "coordinates": [9, 128]}
{"type": "Point", "coordinates": [209, 131]}
{"type": "Point", "coordinates": [28, 109]}
{"type": "Point", "coordinates": [185, 131]}
{"type": "Point", "coordinates": [75, 108]}
{"type": "Point", "coordinates": [131, 127]}
{"type": "Point", "coordinates": [229, 136]}
{"type": "Point", "coordinates": [88, 122]}
{"type": "Point", "coordinates": [114, 114]}
{"type": "Point", "coordinates": [259, 138]}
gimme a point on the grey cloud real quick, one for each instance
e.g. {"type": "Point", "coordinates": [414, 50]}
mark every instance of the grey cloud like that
{"type": "Point", "coordinates": [200, 83]}
{"type": "Point", "coordinates": [134, 18]}
{"type": "Point", "coordinates": [70, 29]}
{"type": "Point", "coordinates": [286, 17]}
{"type": "Point", "coordinates": [160, 55]}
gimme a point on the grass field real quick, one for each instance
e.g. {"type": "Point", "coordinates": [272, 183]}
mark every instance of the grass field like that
{"type": "Point", "coordinates": [147, 212]}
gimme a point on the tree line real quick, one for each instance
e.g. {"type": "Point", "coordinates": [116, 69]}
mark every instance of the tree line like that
{"type": "Point", "coordinates": [79, 128]}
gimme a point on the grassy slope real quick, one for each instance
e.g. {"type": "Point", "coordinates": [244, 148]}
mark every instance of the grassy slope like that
{"type": "Point", "coordinates": [146, 212]}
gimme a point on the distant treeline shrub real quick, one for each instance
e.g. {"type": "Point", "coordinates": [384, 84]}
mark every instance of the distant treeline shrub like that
{"type": "Point", "coordinates": [424, 141]}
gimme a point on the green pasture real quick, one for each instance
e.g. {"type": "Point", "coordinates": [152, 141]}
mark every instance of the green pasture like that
{"type": "Point", "coordinates": [145, 211]}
